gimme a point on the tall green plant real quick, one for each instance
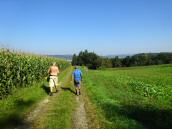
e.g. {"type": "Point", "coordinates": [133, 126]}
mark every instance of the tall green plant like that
{"type": "Point", "coordinates": [21, 69]}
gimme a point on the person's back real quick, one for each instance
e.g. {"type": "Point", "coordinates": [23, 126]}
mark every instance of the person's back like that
{"type": "Point", "coordinates": [53, 81]}
{"type": "Point", "coordinates": [77, 75]}
{"type": "Point", "coordinates": [54, 70]}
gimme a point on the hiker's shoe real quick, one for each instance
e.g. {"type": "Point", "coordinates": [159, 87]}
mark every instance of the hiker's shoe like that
{"type": "Point", "coordinates": [50, 94]}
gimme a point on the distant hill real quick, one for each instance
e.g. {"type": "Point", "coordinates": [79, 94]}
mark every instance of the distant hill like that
{"type": "Point", "coordinates": [66, 57]}
{"type": "Point", "coordinates": [69, 57]}
{"type": "Point", "coordinates": [119, 56]}
{"type": "Point", "coordinates": [139, 54]}
{"type": "Point", "coordinates": [154, 54]}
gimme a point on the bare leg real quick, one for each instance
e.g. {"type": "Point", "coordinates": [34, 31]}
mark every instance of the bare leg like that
{"type": "Point", "coordinates": [77, 90]}
{"type": "Point", "coordinates": [56, 84]}
{"type": "Point", "coordinates": [51, 83]}
{"type": "Point", "coordinates": [51, 89]}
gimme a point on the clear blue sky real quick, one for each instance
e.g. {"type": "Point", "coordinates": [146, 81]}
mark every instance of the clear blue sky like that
{"type": "Point", "coordinates": [103, 26]}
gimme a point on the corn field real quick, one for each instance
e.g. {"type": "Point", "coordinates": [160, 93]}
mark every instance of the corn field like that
{"type": "Point", "coordinates": [21, 69]}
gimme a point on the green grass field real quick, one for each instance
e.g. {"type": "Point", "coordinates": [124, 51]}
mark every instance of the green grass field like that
{"type": "Point", "coordinates": [120, 98]}
{"type": "Point", "coordinates": [132, 98]}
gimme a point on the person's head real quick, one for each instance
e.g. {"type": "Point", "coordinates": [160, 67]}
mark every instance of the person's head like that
{"type": "Point", "coordinates": [54, 63]}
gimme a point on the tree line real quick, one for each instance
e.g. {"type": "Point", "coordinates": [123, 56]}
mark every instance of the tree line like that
{"type": "Point", "coordinates": [94, 61]}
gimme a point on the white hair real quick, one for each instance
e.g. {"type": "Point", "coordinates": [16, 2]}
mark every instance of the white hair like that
{"type": "Point", "coordinates": [54, 63]}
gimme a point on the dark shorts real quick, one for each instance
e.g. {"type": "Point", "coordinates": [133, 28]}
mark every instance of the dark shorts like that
{"type": "Point", "coordinates": [77, 83]}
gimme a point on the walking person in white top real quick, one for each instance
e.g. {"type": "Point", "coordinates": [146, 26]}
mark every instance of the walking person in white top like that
{"type": "Point", "coordinates": [53, 80]}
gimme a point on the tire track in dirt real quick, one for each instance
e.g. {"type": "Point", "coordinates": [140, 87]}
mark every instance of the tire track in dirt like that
{"type": "Point", "coordinates": [80, 119]}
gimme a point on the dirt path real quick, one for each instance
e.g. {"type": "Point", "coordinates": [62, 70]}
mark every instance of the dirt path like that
{"type": "Point", "coordinates": [79, 116]}
{"type": "Point", "coordinates": [33, 114]}
{"type": "Point", "coordinates": [80, 119]}
{"type": "Point", "coordinates": [40, 108]}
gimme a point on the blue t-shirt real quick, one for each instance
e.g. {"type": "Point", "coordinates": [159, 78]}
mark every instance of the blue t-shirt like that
{"type": "Point", "coordinates": [77, 74]}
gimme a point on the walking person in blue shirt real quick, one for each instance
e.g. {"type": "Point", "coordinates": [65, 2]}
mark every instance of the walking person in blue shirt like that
{"type": "Point", "coordinates": [77, 78]}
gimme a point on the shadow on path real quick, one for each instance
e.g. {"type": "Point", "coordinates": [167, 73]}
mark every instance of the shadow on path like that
{"type": "Point", "coordinates": [15, 118]}
{"type": "Point", "coordinates": [45, 88]}
{"type": "Point", "coordinates": [68, 89]}
{"type": "Point", "coordinates": [149, 117]}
